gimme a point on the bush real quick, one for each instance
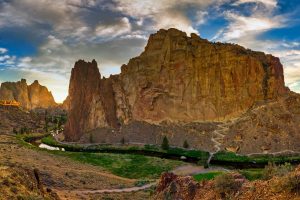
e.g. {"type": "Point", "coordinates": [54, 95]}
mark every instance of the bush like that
{"type": "Point", "coordinates": [289, 183]}
{"type": "Point", "coordinates": [91, 138]}
{"type": "Point", "coordinates": [165, 143]}
{"type": "Point", "coordinates": [226, 185]}
{"type": "Point", "coordinates": [186, 144]}
{"type": "Point", "coordinates": [122, 141]}
{"type": "Point", "coordinates": [15, 131]}
{"type": "Point", "coordinates": [272, 170]}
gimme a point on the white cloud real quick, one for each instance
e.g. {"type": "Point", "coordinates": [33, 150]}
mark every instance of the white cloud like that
{"type": "Point", "coordinates": [267, 3]}
{"type": "Point", "coordinates": [200, 17]}
{"type": "Point", "coordinates": [241, 26]}
{"type": "Point", "coordinates": [165, 13]}
{"type": "Point", "coordinates": [117, 29]}
{"type": "Point", "coordinates": [3, 50]}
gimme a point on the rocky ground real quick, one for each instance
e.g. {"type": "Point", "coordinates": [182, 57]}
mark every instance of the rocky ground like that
{"type": "Point", "coordinates": [17, 118]}
{"type": "Point", "coordinates": [59, 175]}
{"type": "Point", "coordinates": [235, 188]}
{"type": "Point", "coordinates": [271, 127]}
{"type": "Point", "coordinates": [266, 128]}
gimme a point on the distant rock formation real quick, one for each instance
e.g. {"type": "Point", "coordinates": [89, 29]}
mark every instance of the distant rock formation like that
{"type": "Point", "coordinates": [30, 96]}
{"type": "Point", "coordinates": [177, 79]}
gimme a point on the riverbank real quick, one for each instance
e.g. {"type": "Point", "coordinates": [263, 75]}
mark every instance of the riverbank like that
{"type": "Point", "coordinates": [220, 158]}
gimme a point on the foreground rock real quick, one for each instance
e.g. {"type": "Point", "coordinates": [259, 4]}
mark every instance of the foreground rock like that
{"type": "Point", "coordinates": [175, 187]}
{"type": "Point", "coordinates": [22, 183]}
{"type": "Point", "coordinates": [30, 96]}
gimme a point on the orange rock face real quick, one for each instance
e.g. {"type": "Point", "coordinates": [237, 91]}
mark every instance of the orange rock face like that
{"type": "Point", "coordinates": [30, 96]}
{"type": "Point", "coordinates": [176, 79]}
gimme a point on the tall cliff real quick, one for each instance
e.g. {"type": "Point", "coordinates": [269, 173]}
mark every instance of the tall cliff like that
{"type": "Point", "coordinates": [30, 96]}
{"type": "Point", "coordinates": [176, 79]}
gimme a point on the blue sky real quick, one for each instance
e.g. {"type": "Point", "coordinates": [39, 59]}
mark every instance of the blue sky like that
{"type": "Point", "coordinates": [41, 39]}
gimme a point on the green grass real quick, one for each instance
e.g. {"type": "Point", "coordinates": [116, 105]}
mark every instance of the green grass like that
{"type": "Point", "coordinates": [252, 174]}
{"type": "Point", "coordinates": [49, 140]}
{"type": "Point", "coordinates": [259, 159]}
{"type": "Point", "coordinates": [125, 165]}
{"type": "Point", "coordinates": [207, 176]}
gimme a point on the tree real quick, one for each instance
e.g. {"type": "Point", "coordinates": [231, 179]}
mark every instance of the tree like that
{"type": "Point", "coordinates": [165, 143]}
{"type": "Point", "coordinates": [122, 141]}
{"type": "Point", "coordinates": [46, 120]}
{"type": "Point", "coordinates": [186, 144]}
{"type": "Point", "coordinates": [15, 131]}
{"type": "Point", "coordinates": [91, 138]}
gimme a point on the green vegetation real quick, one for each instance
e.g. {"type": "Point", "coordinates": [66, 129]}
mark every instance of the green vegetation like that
{"type": "Point", "coordinates": [125, 165]}
{"type": "Point", "coordinates": [165, 143]}
{"type": "Point", "coordinates": [252, 174]}
{"type": "Point", "coordinates": [230, 157]}
{"type": "Point", "coordinates": [185, 144]}
{"type": "Point", "coordinates": [226, 185]}
{"type": "Point", "coordinates": [147, 149]}
{"type": "Point", "coordinates": [122, 141]}
{"type": "Point", "coordinates": [91, 138]}
{"type": "Point", "coordinates": [54, 122]}
{"type": "Point", "coordinates": [207, 176]}
{"type": "Point", "coordinates": [272, 170]}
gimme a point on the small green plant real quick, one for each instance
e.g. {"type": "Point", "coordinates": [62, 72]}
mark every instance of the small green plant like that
{"type": "Point", "coordinates": [165, 143]}
{"type": "Point", "coordinates": [207, 176]}
{"type": "Point", "coordinates": [186, 144]}
{"type": "Point", "coordinates": [122, 141]}
{"type": "Point", "coordinates": [91, 138]}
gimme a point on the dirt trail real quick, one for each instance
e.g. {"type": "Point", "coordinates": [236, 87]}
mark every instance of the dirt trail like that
{"type": "Point", "coordinates": [217, 138]}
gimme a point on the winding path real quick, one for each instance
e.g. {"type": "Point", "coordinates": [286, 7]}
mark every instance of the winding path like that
{"type": "Point", "coordinates": [217, 138]}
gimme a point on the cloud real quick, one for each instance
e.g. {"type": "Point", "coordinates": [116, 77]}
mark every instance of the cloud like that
{"type": "Point", "coordinates": [165, 13]}
{"type": "Point", "coordinates": [122, 27]}
{"type": "Point", "coordinates": [268, 3]}
{"type": "Point", "coordinates": [241, 26]}
{"type": "Point", "coordinates": [200, 17]}
{"type": "Point", "coordinates": [3, 50]}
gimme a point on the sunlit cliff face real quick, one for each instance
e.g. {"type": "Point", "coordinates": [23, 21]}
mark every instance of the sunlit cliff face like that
{"type": "Point", "coordinates": [42, 39]}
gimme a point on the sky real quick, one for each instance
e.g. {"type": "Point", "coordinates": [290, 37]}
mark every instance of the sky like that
{"type": "Point", "coordinates": [42, 39]}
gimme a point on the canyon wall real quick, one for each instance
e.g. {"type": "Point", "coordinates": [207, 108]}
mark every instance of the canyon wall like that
{"type": "Point", "coordinates": [30, 96]}
{"type": "Point", "coordinates": [177, 79]}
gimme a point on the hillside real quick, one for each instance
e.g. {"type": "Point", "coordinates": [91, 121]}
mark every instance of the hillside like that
{"type": "Point", "coordinates": [186, 88]}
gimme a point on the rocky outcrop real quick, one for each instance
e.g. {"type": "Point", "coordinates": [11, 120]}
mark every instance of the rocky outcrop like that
{"type": "Point", "coordinates": [177, 79]}
{"type": "Point", "coordinates": [85, 107]}
{"type": "Point", "coordinates": [30, 96]}
{"type": "Point", "coordinates": [234, 187]}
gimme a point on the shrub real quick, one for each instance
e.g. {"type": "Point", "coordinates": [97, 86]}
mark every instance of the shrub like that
{"type": "Point", "coordinates": [165, 143]}
{"type": "Point", "coordinates": [91, 138]}
{"type": "Point", "coordinates": [289, 183]}
{"type": "Point", "coordinates": [226, 185]}
{"type": "Point", "coordinates": [122, 141]}
{"type": "Point", "coordinates": [186, 144]}
{"type": "Point", "coordinates": [15, 131]}
{"type": "Point", "coordinates": [272, 170]}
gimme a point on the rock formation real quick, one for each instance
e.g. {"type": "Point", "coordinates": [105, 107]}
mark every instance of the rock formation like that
{"type": "Point", "coordinates": [177, 79]}
{"type": "Point", "coordinates": [284, 187]}
{"type": "Point", "coordinates": [30, 96]}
